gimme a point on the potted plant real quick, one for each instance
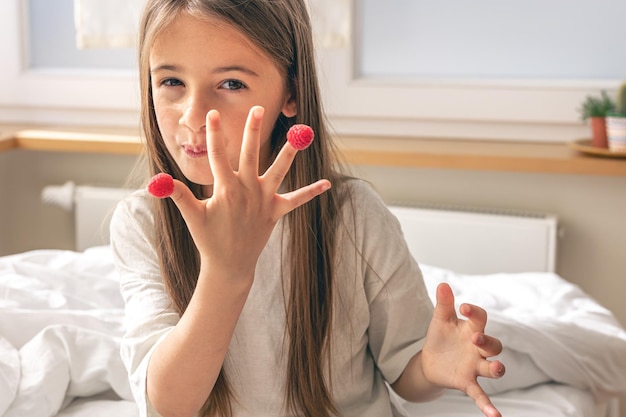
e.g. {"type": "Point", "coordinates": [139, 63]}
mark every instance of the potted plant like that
{"type": "Point", "coordinates": [595, 109]}
{"type": "Point", "coordinates": [616, 122]}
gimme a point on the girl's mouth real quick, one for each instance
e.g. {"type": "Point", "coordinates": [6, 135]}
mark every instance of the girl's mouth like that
{"type": "Point", "coordinates": [193, 152]}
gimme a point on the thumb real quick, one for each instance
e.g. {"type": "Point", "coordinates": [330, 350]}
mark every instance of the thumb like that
{"type": "Point", "coordinates": [184, 199]}
{"type": "Point", "coordinates": [444, 309]}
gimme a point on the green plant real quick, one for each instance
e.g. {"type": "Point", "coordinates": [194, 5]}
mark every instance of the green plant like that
{"type": "Point", "coordinates": [620, 102]}
{"type": "Point", "coordinates": [594, 106]}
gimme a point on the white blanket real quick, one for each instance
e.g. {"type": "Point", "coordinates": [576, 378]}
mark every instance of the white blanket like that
{"type": "Point", "coordinates": [61, 317]}
{"type": "Point", "coordinates": [60, 321]}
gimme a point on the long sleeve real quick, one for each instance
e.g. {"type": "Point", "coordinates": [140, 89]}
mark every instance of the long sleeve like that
{"type": "Point", "coordinates": [149, 315]}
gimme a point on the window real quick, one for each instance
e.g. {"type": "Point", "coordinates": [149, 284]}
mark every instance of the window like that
{"type": "Point", "coordinates": [47, 80]}
{"type": "Point", "coordinates": [484, 69]}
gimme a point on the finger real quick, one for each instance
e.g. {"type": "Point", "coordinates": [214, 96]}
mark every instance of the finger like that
{"type": "Point", "coordinates": [184, 199]}
{"type": "Point", "coordinates": [477, 317]}
{"type": "Point", "coordinates": [249, 157]}
{"type": "Point", "coordinates": [275, 174]}
{"type": "Point", "coordinates": [497, 369]}
{"type": "Point", "coordinates": [482, 401]}
{"type": "Point", "coordinates": [444, 308]}
{"type": "Point", "coordinates": [487, 345]}
{"type": "Point", "coordinates": [303, 195]}
{"type": "Point", "coordinates": [490, 369]}
{"type": "Point", "coordinates": [218, 157]}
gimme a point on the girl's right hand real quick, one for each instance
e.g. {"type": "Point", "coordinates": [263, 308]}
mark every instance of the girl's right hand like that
{"type": "Point", "coordinates": [231, 228]}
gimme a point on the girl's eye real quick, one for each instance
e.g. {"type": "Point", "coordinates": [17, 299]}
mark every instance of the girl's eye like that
{"type": "Point", "coordinates": [233, 85]}
{"type": "Point", "coordinates": [171, 82]}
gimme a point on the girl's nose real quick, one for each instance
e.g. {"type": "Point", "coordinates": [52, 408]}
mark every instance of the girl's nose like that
{"type": "Point", "coordinates": [194, 113]}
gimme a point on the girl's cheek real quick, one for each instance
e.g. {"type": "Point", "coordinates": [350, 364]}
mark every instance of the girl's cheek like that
{"type": "Point", "coordinates": [166, 117]}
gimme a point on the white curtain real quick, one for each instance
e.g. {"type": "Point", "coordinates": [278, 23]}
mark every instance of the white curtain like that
{"type": "Point", "coordinates": [107, 23]}
{"type": "Point", "coordinates": [114, 23]}
{"type": "Point", "coordinates": [331, 22]}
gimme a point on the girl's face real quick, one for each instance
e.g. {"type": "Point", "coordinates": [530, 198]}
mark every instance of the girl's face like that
{"type": "Point", "coordinates": [199, 65]}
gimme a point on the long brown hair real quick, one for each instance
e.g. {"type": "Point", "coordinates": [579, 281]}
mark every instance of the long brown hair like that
{"type": "Point", "coordinates": [281, 28]}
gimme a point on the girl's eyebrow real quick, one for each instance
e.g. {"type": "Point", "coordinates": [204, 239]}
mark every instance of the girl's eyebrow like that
{"type": "Point", "coordinates": [236, 68]}
{"type": "Point", "coordinates": [219, 70]}
{"type": "Point", "coordinates": [165, 67]}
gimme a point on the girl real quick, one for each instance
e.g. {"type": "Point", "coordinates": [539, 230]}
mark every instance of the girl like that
{"type": "Point", "coordinates": [257, 289]}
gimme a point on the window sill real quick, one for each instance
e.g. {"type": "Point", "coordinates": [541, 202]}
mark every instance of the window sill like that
{"type": "Point", "coordinates": [555, 158]}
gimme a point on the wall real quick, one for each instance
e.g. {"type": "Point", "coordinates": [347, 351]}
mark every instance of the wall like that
{"type": "Point", "coordinates": [4, 203]}
{"type": "Point", "coordinates": [27, 222]}
{"type": "Point", "coordinates": [591, 208]}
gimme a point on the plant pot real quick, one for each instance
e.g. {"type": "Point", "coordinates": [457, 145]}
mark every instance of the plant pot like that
{"type": "Point", "coordinates": [598, 132]}
{"type": "Point", "coordinates": [616, 133]}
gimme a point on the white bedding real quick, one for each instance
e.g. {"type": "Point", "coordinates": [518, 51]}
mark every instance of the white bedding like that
{"type": "Point", "coordinates": [61, 316]}
{"type": "Point", "coordinates": [544, 400]}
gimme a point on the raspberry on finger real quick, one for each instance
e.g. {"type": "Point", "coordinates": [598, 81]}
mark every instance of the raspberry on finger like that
{"type": "Point", "coordinates": [161, 185]}
{"type": "Point", "coordinates": [300, 136]}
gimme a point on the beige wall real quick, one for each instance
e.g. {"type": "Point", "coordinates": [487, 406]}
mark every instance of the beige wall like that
{"type": "Point", "coordinates": [4, 202]}
{"type": "Point", "coordinates": [25, 222]}
{"type": "Point", "coordinates": [591, 209]}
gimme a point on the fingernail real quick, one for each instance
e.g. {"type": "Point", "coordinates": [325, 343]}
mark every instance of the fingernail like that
{"type": "Point", "coordinates": [212, 115]}
{"type": "Point", "coordinates": [480, 340]}
{"type": "Point", "coordinates": [258, 112]}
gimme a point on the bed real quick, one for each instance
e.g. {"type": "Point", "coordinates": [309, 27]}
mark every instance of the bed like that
{"type": "Point", "coordinates": [61, 318]}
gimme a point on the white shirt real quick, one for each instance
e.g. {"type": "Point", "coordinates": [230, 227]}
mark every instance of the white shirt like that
{"type": "Point", "coordinates": [381, 313]}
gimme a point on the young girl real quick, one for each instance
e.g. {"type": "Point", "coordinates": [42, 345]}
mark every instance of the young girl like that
{"type": "Point", "coordinates": [257, 289]}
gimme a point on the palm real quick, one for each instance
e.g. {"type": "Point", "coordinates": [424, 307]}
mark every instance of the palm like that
{"type": "Point", "coordinates": [448, 346]}
{"type": "Point", "coordinates": [455, 351]}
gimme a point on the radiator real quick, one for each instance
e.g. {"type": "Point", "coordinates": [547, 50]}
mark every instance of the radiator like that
{"type": "Point", "coordinates": [479, 241]}
{"type": "Point", "coordinates": [471, 241]}
{"type": "Point", "coordinates": [92, 207]}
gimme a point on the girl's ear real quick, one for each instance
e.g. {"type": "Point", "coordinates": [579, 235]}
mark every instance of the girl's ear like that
{"type": "Point", "coordinates": [290, 108]}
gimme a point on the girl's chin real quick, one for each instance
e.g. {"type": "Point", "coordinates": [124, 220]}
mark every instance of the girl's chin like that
{"type": "Point", "coordinates": [200, 179]}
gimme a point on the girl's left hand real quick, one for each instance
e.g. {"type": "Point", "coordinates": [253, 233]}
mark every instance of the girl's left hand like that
{"type": "Point", "coordinates": [231, 228]}
{"type": "Point", "coordinates": [455, 352]}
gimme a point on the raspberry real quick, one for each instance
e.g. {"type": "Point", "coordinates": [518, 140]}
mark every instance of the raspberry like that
{"type": "Point", "coordinates": [300, 136]}
{"type": "Point", "coordinates": [161, 185]}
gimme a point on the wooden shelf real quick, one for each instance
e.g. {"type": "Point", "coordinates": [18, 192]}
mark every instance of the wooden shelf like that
{"type": "Point", "coordinates": [508, 156]}
{"type": "Point", "coordinates": [53, 139]}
